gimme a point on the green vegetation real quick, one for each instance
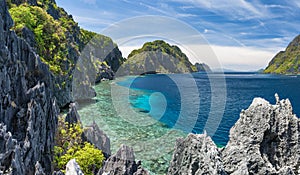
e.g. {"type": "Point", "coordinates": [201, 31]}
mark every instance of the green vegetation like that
{"type": "Point", "coordinates": [157, 56]}
{"type": "Point", "coordinates": [288, 61]}
{"type": "Point", "coordinates": [49, 34]}
{"type": "Point", "coordinates": [86, 36]}
{"type": "Point", "coordinates": [160, 45]}
{"type": "Point", "coordinates": [69, 145]}
{"type": "Point", "coordinates": [58, 37]}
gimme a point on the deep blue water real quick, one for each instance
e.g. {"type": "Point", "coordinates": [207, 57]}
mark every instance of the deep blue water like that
{"type": "Point", "coordinates": [185, 102]}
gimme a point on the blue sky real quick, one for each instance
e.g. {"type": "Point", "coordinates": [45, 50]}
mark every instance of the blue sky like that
{"type": "Point", "coordinates": [244, 35]}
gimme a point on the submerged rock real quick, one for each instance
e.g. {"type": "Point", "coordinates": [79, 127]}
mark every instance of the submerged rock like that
{"type": "Point", "coordinates": [265, 140]}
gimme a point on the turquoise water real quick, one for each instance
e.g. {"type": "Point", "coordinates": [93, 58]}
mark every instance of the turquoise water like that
{"type": "Point", "coordinates": [152, 141]}
{"type": "Point", "coordinates": [150, 112]}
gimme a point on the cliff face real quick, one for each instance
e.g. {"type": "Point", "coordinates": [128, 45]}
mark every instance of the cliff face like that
{"type": "Point", "coordinates": [61, 42]}
{"type": "Point", "coordinates": [288, 61]}
{"type": "Point", "coordinates": [265, 140]}
{"type": "Point", "coordinates": [28, 111]}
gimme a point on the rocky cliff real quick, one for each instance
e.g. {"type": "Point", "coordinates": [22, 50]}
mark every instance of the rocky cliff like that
{"type": "Point", "coordinates": [265, 140]}
{"type": "Point", "coordinates": [288, 61]}
{"type": "Point", "coordinates": [59, 41]}
{"type": "Point", "coordinates": [28, 111]}
{"type": "Point", "coordinates": [156, 57]}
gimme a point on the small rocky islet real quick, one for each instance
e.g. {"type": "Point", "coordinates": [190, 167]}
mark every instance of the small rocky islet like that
{"type": "Point", "coordinates": [265, 140]}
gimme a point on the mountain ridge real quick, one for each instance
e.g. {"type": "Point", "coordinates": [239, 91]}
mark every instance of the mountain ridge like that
{"type": "Point", "coordinates": [159, 57]}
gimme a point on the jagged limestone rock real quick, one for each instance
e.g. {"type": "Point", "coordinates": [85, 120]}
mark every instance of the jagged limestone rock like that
{"type": "Point", "coordinates": [98, 138]}
{"type": "Point", "coordinates": [197, 154]}
{"type": "Point", "coordinates": [265, 140]}
{"type": "Point", "coordinates": [72, 116]}
{"type": "Point", "coordinates": [27, 108]}
{"type": "Point", "coordinates": [122, 163]}
{"type": "Point", "coordinates": [72, 168]}
{"type": "Point", "coordinates": [39, 169]}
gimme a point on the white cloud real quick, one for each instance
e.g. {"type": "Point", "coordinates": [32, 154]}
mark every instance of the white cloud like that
{"type": "Point", "coordinates": [237, 9]}
{"type": "Point", "coordinates": [243, 58]}
{"type": "Point", "coordinates": [127, 49]}
{"type": "Point", "coordinates": [229, 57]}
{"type": "Point", "coordinates": [92, 21]}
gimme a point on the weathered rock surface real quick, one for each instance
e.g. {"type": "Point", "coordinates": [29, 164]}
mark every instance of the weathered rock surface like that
{"type": "Point", "coordinates": [27, 110]}
{"type": "Point", "coordinates": [39, 169]}
{"type": "Point", "coordinates": [72, 168]}
{"type": "Point", "coordinates": [265, 140]}
{"type": "Point", "coordinates": [197, 154]}
{"type": "Point", "coordinates": [122, 163]}
{"type": "Point", "coordinates": [98, 138]}
{"type": "Point", "coordinates": [72, 115]}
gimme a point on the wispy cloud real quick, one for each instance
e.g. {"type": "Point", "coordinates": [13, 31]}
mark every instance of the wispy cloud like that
{"type": "Point", "coordinates": [167, 10]}
{"type": "Point", "coordinates": [228, 24]}
{"type": "Point", "coordinates": [92, 21]}
{"type": "Point", "coordinates": [235, 9]}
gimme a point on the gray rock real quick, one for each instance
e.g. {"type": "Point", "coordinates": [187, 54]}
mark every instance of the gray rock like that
{"type": "Point", "coordinates": [28, 36]}
{"type": "Point", "coordinates": [122, 163]}
{"type": "Point", "coordinates": [72, 116]}
{"type": "Point", "coordinates": [58, 173]}
{"type": "Point", "coordinates": [141, 171]}
{"type": "Point", "coordinates": [98, 138]}
{"type": "Point", "coordinates": [39, 169]}
{"type": "Point", "coordinates": [18, 2]}
{"type": "Point", "coordinates": [72, 168]}
{"type": "Point", "coordinates": [27, 109]}
{"type": "Point", "coordinates": [197, 154]}
{"type": "Point", "coordinates": [265, 140]}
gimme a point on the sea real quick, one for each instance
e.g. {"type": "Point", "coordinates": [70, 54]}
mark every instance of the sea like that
{"type": "Point", "coordinates": [150, 112]}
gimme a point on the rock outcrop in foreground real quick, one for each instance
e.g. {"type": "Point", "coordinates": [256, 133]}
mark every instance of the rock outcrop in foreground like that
{"type": "Point", "coordinates": [122, 163]}
{"type": "Point", "coordinates": [28, 111]}
{"type": "Point", "coordinates": [265, 140]}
